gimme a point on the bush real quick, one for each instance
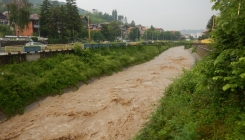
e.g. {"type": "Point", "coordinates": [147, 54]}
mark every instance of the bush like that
{"type": "Point", "coordinates": [35, 39]}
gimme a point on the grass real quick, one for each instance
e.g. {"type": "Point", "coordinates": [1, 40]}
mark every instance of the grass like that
{"type": "Point", "coordinates": [191, 110]}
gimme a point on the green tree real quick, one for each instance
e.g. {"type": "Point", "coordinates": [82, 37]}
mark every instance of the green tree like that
{"type": "Point", "coordinates": [125, 20]}
{"type": "Point", "coordinates": [2, 8]}
{"type": "Point", "coordinates": [73, 20]}
{"type": "Point", "coordinates": [115, 16]}
{"type": "Point", "coordinates": [112, 35]}
{"type": "Point", "coordinates": [19, 13]}
{"type": "Point", "coordinates": [54, 19]}
{"type": "Point", "coordinates": [45, 18]}
{"type": "Point", "coordinates": [116, 28]}
{"type": "Point", "coordinates": [134, 34]}
{"type": "Point", "coordinates": [62, 24]}
{"type": "Point", "coordinates": [5, 30]}
{"type": "Point", "coordinates": [132, 24]}
{"type": "Point", "coordinates": [107, 32]}
{"type": "Point", "coordinates": [210, 24]}
{"type": "Point", "coordinates": [97, 36]}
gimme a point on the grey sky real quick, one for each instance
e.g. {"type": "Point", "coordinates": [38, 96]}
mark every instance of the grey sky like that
{"type": "Point", "coordinates": [166, 14]}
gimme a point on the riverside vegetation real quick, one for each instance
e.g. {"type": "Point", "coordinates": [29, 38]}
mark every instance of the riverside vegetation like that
{"type": "Point", "coordinates": [22, 84]}
{"type": "Point", "coordinates": [208, 102]}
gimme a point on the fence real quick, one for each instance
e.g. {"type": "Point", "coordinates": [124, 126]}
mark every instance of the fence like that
{"type": "Point", "coordinates": [102, 45]}
{"type": "Point", "coordinates": [52, 50]}
{"type": "Point", "coordinates": [55, 47]}
{"type": "Point", "coordinates": [21, 48]}
{"type": "Point", "coordinates": [10, 49]}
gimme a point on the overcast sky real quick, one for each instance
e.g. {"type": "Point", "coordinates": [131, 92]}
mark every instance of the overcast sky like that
{"type": "Point", "coordinates": [166, 14]}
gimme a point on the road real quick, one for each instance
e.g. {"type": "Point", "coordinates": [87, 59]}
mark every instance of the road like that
{"type": "Point", "coordinates": [110, 108]}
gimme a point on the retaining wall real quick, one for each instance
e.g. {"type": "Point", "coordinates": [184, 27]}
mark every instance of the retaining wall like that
{"type": "Point", "coordinates": [23, 57]}
{"type": "Point", "coordinates": [202, 49]}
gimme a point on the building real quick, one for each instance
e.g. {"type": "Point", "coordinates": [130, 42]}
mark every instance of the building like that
{"type": "Point", "coordinates": [33, 27]}
{"type": "Point", "coordinates": [3, 19]}
{"type": "Point", "coordinates": [124, 31]}
{"type": "Point", "coordinates": [159, 29]}
{"type": "Point", "coordinates": [95, 27]}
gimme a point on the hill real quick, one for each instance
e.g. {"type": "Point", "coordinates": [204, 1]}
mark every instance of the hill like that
{"type": "Point", "coordinates": [37, 4]}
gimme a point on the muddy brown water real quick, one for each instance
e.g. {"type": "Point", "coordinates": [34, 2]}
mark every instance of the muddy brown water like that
{"type": "Point", "coordinates": [110, 108]}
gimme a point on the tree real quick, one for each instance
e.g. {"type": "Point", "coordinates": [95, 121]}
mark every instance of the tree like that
{"type": "Point", "coordinates": [73, 21]}
{"type": "Point", "coordinates": [120, 17]}
{"type": "Point", "coordinates": [19, 13]}
{"type": "Point", "coordinates": [116, 28]}
{"type": "Point", "coordinates": [55, 14]}
{"type": "Point", "coordinates": [107, 32]}
{"type": "Point", "coordinates": [125, 20]}
{"type": "Point", "coordinates": [115, 16]}
{"type": "Point", "coordinates": [132, 24]}
{"type": "Point", "coordinates": [2, 8]}
{"type": "Point", "coordinates": [210, 24]}
{"type": "Point", "coordinates": [5, 30]}
{"type": "Point", "coordinates": [228, 53]}
{"type": "Point", "coordinates": [62, 24]}
{"type": "Point", "coordinates": [134, 34]}
{"type": "Point", "coordinates": [97, 36]}
{"type": "Point", "coordinates": [45, 18]}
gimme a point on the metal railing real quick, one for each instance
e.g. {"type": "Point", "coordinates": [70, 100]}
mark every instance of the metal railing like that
{"type": "Point", "coordinates": [59, 47]}
{"type": "Point", "coordinates": [10, 49]}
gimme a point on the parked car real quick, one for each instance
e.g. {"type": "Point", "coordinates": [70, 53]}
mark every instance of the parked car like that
{"type": "Point", "coordinates": [106, 42]}
{"type": "Point", "coordinates": [43, 46]}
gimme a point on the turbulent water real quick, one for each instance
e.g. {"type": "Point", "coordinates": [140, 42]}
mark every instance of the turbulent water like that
{"type": "Point", "coordinates": [110, 108]}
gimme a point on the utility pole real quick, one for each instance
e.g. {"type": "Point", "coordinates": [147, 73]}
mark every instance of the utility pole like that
{"type": "Point", "coordinates": [151, 35]}
{"type": "Point", "coordinates": [146, 33]}
{"type": "Point", "coordinates": [39, 26]}
{"type": "Point", "coordinates": [157, 35]}
{"type": "Point", "coordinates": [18, 30]}
{"type": "Point", "coordinates": [163, 35]}
{"type": "Point", "coordinates": [88, 28]}
{"type": "Point", "coordinates": [121, 29]}
{"type": "Point", "coordinates": [73, 35]}
{"type": "Point", "coordinates": [171, 36]}
{"type": "Point", "coordinates": [137, 33]}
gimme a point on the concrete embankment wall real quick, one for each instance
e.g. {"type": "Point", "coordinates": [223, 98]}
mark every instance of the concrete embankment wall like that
{"type": "Point", "coordinates": [202, 50]}
{"type": "Point", "coordinates": [22, 57]}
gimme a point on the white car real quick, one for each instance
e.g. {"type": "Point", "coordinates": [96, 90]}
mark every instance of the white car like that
{"type": "Point", "coordinates": [43, 46]}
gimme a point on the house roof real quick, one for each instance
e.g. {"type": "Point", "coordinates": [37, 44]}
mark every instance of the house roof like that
{"type": "Point", "coordinates": [5, 13]}
{"type": "Point", "coordinates": [34, 17]}
{"type": "Point", "coordinates": [105, 23]}
{"type": "Point", "coordinates": [204, 32]}
{"type": "Point", "coordinates": [2, 16]}
{"type": "Point", "coordinates": [159, 29]}
{"type": "Point", "coordinates": [130, 28]}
